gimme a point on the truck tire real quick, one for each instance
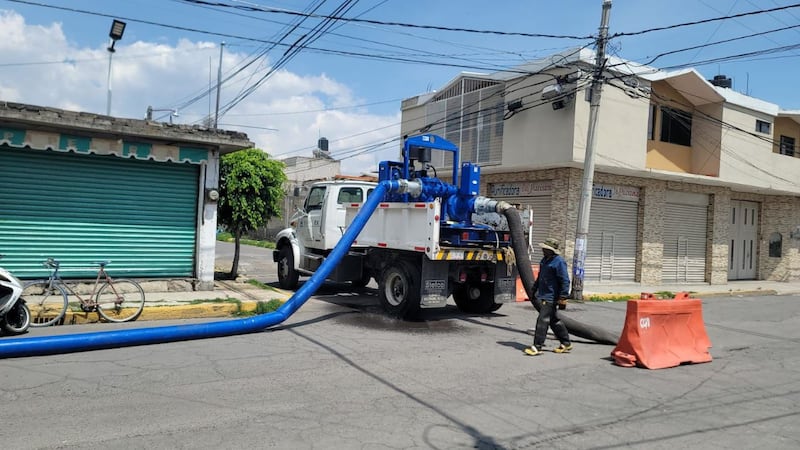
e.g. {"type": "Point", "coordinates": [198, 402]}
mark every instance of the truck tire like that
{"type": "Point", "coordinates": [399, 290]}
{"type": "Point", "coordinates": [475, 298]}
{"type": "Point", "coordinates": [287, 275]}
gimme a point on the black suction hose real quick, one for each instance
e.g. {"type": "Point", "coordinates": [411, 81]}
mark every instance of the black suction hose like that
{"type": "Point", "coordinates": [519, 245]}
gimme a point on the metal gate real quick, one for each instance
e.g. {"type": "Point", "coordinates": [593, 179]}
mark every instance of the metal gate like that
{"type": "Point", "coordinates": [80, 208]}
{"type": "Point", "coordinates": [685, 237]}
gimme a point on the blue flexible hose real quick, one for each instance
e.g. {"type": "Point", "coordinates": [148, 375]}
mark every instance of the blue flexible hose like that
{"type": "Point", "coordinates": [45, 345]}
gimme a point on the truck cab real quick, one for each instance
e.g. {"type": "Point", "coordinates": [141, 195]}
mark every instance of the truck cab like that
{"type": "Point", "coordinates": [316, 230]}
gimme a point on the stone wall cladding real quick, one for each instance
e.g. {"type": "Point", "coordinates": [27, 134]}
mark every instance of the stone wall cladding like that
{"type": "Point", "coordinates": [717, 240]}
{"type": "Point", "coordinates": [651, 225]}
{"type": "Point", "coordinates": [778, 213]}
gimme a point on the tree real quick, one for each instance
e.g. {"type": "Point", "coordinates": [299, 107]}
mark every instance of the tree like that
{"type": "Point", "coordinates": [251, 193]}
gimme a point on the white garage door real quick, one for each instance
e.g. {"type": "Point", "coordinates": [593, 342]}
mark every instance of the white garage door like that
{"type": "Point", "coordinates": [611, 246]}
{"type": "Point", "coordinates": [529, 195]}
{"type": "Point", "coordinates": [685, 230]}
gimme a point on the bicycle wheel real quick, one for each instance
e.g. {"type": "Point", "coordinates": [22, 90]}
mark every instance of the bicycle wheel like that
{"type": "Point", "coordinates": [47, 302]}
{"type": "Point", "coordinates": [120, 301]}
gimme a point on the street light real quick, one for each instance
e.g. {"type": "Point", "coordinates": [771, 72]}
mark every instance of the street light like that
{"type": "Point", "coordinates": [117, 29]}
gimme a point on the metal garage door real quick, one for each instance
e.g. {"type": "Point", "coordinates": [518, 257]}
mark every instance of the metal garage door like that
{"type": "Point", "coordinates": [528, 195]}
{"type": "Point", "coordinates": [77, 208]}
{"type": "Point", "coordinates": [685, 229]}
{"type": "Point", "coordinates": [611, 247]}
{"type": "Point", "coordinates": [541, 221]}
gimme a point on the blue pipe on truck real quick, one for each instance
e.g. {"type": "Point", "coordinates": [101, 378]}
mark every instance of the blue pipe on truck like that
{"type": "Point", "coordinates": [46, 345]}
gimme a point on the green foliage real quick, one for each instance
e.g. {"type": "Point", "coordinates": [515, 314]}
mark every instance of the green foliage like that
{"type": "Point", "coordinates": [251, 190]}
{"type": "Point", "coordinates": [227, 237]}
{"type": "Point", "coordinates": [268, 307]}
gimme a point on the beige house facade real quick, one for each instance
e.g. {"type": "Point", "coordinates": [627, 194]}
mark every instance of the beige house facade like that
{"type": "Point", "coordinates": [694, 182]}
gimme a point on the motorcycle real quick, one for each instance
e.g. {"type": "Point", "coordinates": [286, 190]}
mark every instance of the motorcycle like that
{"type": "Point", "coordinates": [15, 317]}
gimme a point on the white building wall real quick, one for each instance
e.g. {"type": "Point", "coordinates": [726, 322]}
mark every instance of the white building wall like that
{"type": "Point", "coordinates": [621, 135]}
{"type": "Point", "coordinates": [748, 160]}
{"type": "Point", "coordinates": [539, 136]}
{"type": "Point", "coordinates": [207, 224]}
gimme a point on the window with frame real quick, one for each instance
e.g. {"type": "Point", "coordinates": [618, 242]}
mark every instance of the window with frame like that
{"type": "Point", "coordinates": [775, 245]}
{"type": "Point", "coordinates": [787, 146]}
{"type": "Point", "coordinates": [651, 123]}
{"type": "Point", "coordinates": [763, 126]}
{"type": "Point", "coordinates": [315, 198]}
{"type": "Point", "coordinates": [676, 126]}
{"type": "Point", "coordinates": [350, 195]}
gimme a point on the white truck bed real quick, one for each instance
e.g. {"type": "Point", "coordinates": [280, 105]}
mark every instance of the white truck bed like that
{"type": "Point", "coordinates": [413, 227]}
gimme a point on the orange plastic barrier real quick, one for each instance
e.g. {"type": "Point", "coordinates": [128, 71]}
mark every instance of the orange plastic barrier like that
{"type": "Point", "coordinates": [522, 296]}
{"type": "Point", "coordinates": [663, 333]}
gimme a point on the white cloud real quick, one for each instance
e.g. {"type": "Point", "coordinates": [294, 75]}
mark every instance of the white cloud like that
{"type": "Point", "coordinates": [44, 68]}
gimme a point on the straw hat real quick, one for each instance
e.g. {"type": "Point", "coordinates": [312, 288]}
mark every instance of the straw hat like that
{"type": "Point", "coordinates": [551, 244]}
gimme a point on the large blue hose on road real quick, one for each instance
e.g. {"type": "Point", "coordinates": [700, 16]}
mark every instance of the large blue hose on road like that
{"type": "Point", "coordinates": [46, 345]}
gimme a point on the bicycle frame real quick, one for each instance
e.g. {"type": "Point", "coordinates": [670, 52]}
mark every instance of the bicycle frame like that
{"type": "Point", "coordinates": [91, 300]}
{"type": "Point", "coordinates": [118, 300]}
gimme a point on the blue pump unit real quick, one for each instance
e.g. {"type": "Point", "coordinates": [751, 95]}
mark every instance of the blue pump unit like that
{"type": "Point", "coordinates": [458, 199]}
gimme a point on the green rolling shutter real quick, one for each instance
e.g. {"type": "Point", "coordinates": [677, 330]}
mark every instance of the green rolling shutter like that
{"type": "Point", "coordinates": [80, 208]}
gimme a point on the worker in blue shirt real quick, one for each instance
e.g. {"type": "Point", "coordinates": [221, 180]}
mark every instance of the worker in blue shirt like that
{"type": "Point", "coordinates": [552, 288]}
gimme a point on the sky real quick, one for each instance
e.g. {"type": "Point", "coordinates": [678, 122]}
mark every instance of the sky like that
{"type": "Point", "coordinates": [289, 79]}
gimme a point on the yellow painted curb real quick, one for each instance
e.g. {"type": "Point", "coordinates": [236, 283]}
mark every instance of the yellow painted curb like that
{"type": "Point", "coordinates": [172, 312]}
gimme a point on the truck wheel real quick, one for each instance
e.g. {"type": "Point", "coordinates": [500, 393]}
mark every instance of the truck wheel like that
{"type": "Point", "coordinates": [475, 298]}
{"type": "Point", "coordinates": [399, 290]}
{"type": "Point", "coordinates": [287, 275]}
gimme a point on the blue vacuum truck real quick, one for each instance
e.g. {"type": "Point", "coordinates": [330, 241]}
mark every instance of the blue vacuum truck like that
{"type": "Point", "coordinates": [420, 245]}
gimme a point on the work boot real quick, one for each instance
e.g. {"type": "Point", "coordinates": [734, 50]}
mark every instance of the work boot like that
{"type": "Point", "coordinates": [532, 351]}
{"type": "Point", "coordinates": [563, 348]}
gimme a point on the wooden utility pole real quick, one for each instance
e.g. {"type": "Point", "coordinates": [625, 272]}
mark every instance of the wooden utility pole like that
{"type": "Point", "coordinates": [579, 256]}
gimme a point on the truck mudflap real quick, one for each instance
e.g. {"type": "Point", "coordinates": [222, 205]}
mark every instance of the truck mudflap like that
{"type": "Point", "coordinates": [505, 283]}
{"type": "Point", "coordinates": [434, 291]}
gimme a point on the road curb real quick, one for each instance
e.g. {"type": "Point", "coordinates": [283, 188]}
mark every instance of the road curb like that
{"type": "Point", "coordinates": [173, 312]}
{"type": "Point", "coordinates": [692, 294]}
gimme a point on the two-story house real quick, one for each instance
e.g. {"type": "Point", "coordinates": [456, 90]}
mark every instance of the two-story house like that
{"type": "Point", "coordinates": [693, 182]}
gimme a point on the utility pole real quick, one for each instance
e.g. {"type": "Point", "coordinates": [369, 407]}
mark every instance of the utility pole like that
{"type": "Point", "coordinates": [579, 256]}
{"type": "Point", "coordinates": [219, 84]}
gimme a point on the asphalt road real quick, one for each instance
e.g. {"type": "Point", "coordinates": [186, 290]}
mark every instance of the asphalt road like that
{"type": "Point", "coordinates": [339, 374]}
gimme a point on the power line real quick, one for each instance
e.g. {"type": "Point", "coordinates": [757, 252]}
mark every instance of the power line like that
{"type": "Point", "coordinates": [709, 118]}
{"type": "Point", "coordinates": [254, 8]}
{"type": "Point", "coordinates": [699, 22]}
{"type": "Point", "coordinates": [291, 52]}
{"type": "Point", "coordinates": [724, 41]}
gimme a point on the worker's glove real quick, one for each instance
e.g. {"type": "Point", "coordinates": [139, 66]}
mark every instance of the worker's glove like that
{"type": "Point", "coordinates": [562, 303]}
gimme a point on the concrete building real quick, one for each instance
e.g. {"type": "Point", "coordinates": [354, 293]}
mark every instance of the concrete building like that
{"type": "Point", "coordinates": [82, 187]}
{"type": "Point", "coordinates": [300, 172]}
{"type": "Point", "coordinates": [694, 182]}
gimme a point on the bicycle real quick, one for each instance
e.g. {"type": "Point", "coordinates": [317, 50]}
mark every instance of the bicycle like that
{"type": "Point", "coordinates": [119, 300]}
